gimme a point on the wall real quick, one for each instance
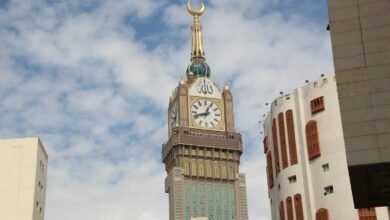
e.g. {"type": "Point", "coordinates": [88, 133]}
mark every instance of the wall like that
{"type": "Point", "coordinates": [23, 185]}
{"type": "Point", "coordinates": [360, 33]}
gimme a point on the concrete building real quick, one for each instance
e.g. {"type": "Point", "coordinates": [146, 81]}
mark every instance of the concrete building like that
{"type": "Point", "coordinates": [306, 160]}
{"type": "Point", "coordinates": [23, 171]}
{"type": "Point", "coordinates": [360, 33]}
{"type": "Point", "coordinates": [202, 153]}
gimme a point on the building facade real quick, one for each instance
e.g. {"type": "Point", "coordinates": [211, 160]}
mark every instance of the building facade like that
{"type": "Point", "coordinates": [23, 171]}
{"type": "Point", "coordinates": [306, 160]}
{"type": "Point", "coordinates": [202, 153]}
{"type": "Point", "coordinates": [360, 33]}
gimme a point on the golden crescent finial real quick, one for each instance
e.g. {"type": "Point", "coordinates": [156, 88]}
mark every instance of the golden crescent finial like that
{"type": "Point", "coordinates": [195, 12]}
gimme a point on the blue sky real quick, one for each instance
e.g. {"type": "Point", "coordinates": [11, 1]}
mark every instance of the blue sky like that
{"type": "Point", "coordinates": [93, 79]}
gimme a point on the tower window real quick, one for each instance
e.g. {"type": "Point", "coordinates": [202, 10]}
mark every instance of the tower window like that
{"type": "Point", "coordinates": [292, 179]}
{"type": "Point", "coordinates": [282, 134]}
{"type": "Point", "coordinates": [281, 211]}
{"type": "Point", "coordinates": [201, 170]}
{"type": "Point", "coordinates": [265, 143]}
{"type": "Point", "coordinates": [276, 148]}
{"type": "Point", "coordinates": [208, 170]}
{"type": "Point", "coordinates": [322, 214]}
{"type": "Point", "coordinates": [367, 214]}
{"type": "Point", "coordinates": [216, 171]}
{"type": "Point", "coordinates": [291, 137]}
{"type": "Point", "coordinates": [270, 171]}
{"type": "Point", "coordinates": [290, 212]}
{"type": "Point", "coordinates": [298, 207]}
{"type": "Point", "coordinates": [193, 168]}
{"type": "Point", "coordinates": [317, 105]}
{"type": "Point", "coordinates": [186, 168]}
{"type": "Point", "coordinates": [312, 140]}
{"type": "Point", "coordinates": [325, 167]}
{"type": "Point", "coordinates": [328, 190]}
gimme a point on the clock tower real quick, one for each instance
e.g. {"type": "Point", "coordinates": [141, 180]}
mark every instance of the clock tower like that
{"type": "Point", "coordinates": [202, 153]}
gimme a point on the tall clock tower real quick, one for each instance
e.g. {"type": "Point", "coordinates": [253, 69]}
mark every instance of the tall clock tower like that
{"type": "Point", "coordinates": [202, 153]}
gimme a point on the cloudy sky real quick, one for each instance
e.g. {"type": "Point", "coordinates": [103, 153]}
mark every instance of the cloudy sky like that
{"type": "Point", "coordinates": [93, 78]}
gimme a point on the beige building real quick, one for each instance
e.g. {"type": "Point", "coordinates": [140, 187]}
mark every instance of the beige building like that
{"type": "Point", "coordinates": [360, 32]}
{"type": "Point", "coordinates": [306, 159]}
{"type": "Point", "coordinates": [202, 153]}
{"type": "Point", "coordinates": [23, 171]}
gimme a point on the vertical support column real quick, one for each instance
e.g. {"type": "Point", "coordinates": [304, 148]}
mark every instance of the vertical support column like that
{"type": "Point", "coordinates": [183, 105]}
{"type": "Point", "coordinates": [229, 113]}
{"type": "Point", "coordinates": [242, 198]}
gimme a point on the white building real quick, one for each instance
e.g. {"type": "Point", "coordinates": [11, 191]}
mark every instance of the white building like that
{"type": "Point", "coordinates": [23, 172]}
{"type": "Point", "coordinates": [306, 160]}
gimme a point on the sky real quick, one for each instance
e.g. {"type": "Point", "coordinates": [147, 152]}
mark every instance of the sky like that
{"type": "Point", "coordinates": [93, 78]}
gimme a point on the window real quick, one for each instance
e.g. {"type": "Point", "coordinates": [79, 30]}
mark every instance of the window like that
{"type": "Point", "coordinates": [322, 214]}
{"type": "Point", "coordinates": [290, 213]}
{"type": "Point", "coordinates": [298, 207]}
{"type": "Point", "coordinates": [312, 140]}
{"type": "Point", "coordinates": [281, 211]}
{"type": "Point", "coordinates": [216, 171]}
{"type": "Point", "coordinates": [231, 172]}
{"type": "Point", "coordinates": [208, 170]}
{"type": "Point", "coordinates": [193, 168]}
{"type": "Point", "coordinates": [42, 165]}
{"type": "Point", "coordinates": [282, 135]}
{"type": "Point", "coordinates": [201, 170]}
{"type": "Point", "coordinates": [317, 105]}
{"type": "Point", "coordinates": [186, 168]}
{"type": "Point", "coordinates": [292, 179]}
{"type": "Point", "coordinates": [325, 167]}
{"type": "Point", "coordinates": [328, 190]}
{"type": "Point", "coordinates": [291, 137]}
{"type": "Point", "coordinates": [224, 173]}
{"type": "Point", "coordinates": [276, 148]}
{"type": "Point", "coordinates": [265, 143]}
{"type": "Point", "coordinates": [270, 171]}
{"type": "Point", "coordinates": [367, 214]}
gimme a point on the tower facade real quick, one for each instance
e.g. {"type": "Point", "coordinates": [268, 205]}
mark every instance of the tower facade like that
{"type": "Point", "coordinates": [306, 161]}
{"type": "Point", "coordinates": [23, 172]}
{"type": "Point", "coordinates": [202, 153]}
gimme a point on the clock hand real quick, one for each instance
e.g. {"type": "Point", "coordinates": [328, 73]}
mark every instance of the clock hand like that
{"type": "Point", "coordinates": [201, 114]}
{"type": "Point", "coordinates": [207, 109]}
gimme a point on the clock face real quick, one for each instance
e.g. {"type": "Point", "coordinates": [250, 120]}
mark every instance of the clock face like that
{"type": "Point", "coordinates": [206, 113]}
{"type": "Point", "coordinates": [174, 116]}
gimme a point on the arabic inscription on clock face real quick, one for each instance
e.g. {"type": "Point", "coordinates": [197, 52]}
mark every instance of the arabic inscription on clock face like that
{"type": "Point", "coordinates": [205, 87]}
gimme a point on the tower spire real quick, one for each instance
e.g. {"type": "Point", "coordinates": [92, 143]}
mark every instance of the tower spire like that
{"type": "Point", "coordinates": [197, 41]}
{"type": "Point", "coordinates": [198, 65]}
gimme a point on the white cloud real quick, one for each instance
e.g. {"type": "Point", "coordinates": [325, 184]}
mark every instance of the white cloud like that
{"type": "Point", "coordinates": [81, 75]}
